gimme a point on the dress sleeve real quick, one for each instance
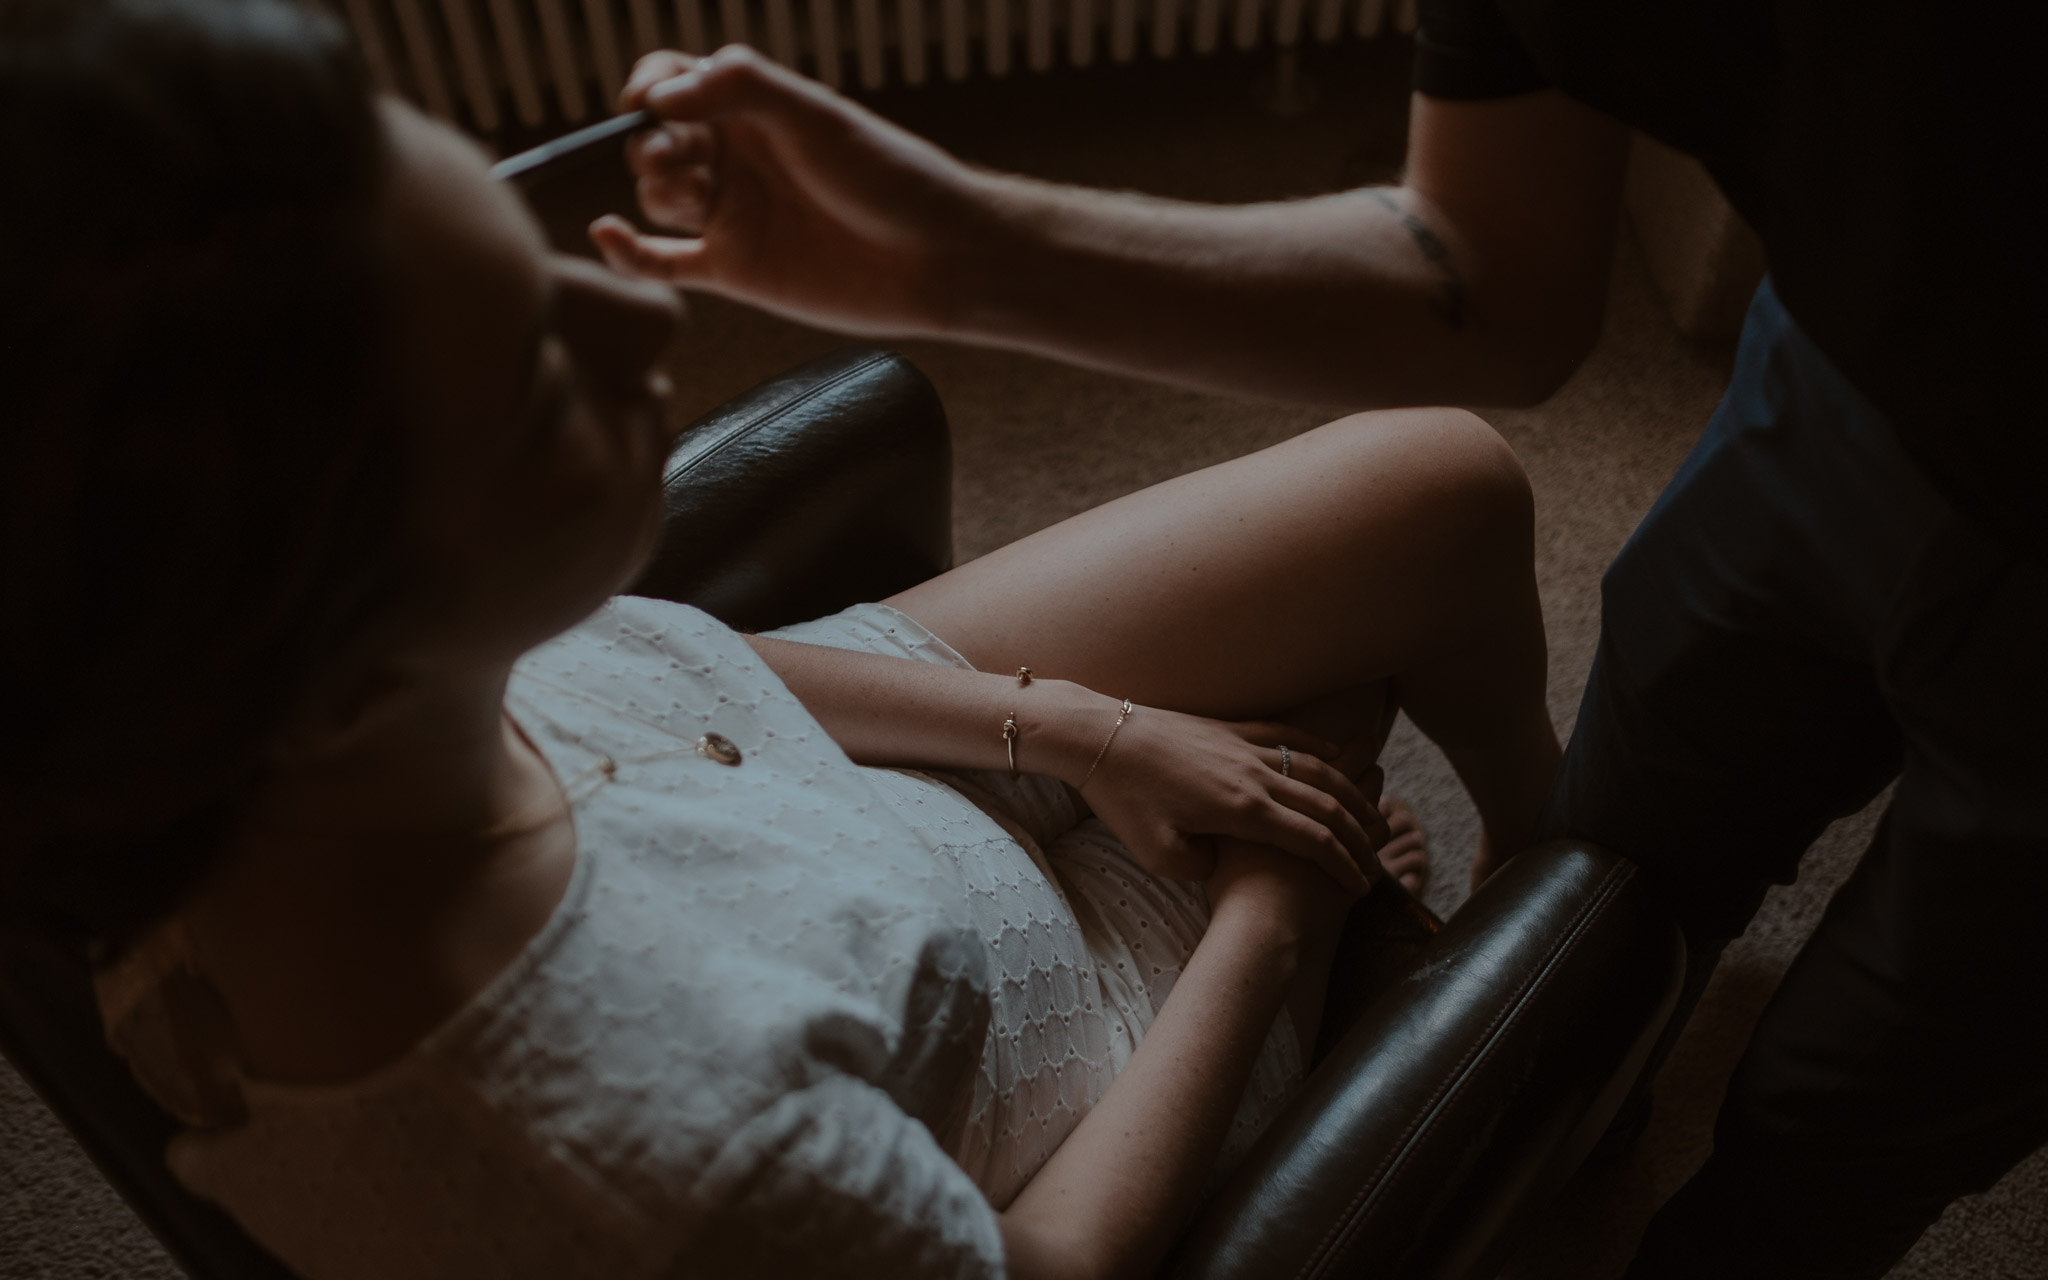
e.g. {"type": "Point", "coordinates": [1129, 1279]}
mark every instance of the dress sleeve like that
{"type": "Point", "coordinates": [1467, 49]}
{"type": "Point", "coordinates": [835, 1182]}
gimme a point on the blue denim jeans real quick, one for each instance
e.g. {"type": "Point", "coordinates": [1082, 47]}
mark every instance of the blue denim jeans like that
{"type": "Point", "coordinates": [1801, 619]}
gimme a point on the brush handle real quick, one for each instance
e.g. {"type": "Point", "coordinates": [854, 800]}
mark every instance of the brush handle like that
{"type": "Point", "coordinates": [526, 166]}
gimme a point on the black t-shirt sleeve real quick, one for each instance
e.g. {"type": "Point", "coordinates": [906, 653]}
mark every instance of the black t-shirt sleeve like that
{"type": "Point", "coordinates": [1466, 49]}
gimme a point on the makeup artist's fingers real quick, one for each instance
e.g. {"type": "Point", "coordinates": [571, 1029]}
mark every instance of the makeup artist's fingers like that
{"type": "Point", "coordinates": [669, 147]}
{"type": "Point", "coordinates": [739, 79]}
{"type": "Point", "coordinates": [673, 165]}
{"type": "Point", "coordinates": [669, 259]}
{"type": "Point", "coordinates": [663, 64]}
{"type": "Point", "coordinates": [681, 202]}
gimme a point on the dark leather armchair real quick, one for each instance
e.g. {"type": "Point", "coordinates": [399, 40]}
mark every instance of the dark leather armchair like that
{"type": "Point", "coordinates": [1466, 1068]}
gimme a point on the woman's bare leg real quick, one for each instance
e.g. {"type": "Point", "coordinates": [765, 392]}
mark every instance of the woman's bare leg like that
{"type": "Point", "coordinates": [1384, 547]}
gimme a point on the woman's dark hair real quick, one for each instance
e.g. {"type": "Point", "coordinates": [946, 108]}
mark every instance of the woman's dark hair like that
{"type": "Point", "coordinates": [198, 468]}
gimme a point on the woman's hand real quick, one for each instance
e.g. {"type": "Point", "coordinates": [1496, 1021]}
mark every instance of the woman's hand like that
{"type": "Point", "coordinates": [1167, 785]}
{"type": "Point", "coordinates": [787, 195]}
{"type": "Point", "coordinates": [1171, 784]}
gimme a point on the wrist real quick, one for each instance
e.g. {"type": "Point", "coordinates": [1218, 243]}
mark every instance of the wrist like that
{"type": "Point", "coordinates": [1264, 941]}
{"type": "Point", "coordinates": [982, 280]}
{"type": "Point", "coordinates": [1270, 894]}
{"type": "Point", "coordinates": [1064, 725]}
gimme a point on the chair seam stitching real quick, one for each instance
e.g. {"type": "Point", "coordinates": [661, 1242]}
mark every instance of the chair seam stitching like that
{"type": "Point", "coordinates": [809, 394]}
{"type": "Point", "coordinates": [1488, 1044]}
{"type": "Point", "coordinates": [1360, 1210]}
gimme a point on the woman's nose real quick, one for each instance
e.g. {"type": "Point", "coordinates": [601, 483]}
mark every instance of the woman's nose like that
{"type": "Point", "coordinates": [615, 328]}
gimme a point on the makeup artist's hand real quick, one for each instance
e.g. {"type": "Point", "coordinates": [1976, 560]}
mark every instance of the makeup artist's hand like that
{"type": "Point", "coordinates": [788, 195]}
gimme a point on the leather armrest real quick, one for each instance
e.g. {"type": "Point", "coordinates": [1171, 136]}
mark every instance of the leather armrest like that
{"type": "Point", "coordinates": [829, 485]}
{"type": "Point", "coordinates": [1465, 1095]}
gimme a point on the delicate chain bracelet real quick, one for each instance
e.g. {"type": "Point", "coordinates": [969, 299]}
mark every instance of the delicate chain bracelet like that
{"type": "Point", "coordinates": [1123, 714]}
{"type": "Point", "coordinates": [1010, 729]}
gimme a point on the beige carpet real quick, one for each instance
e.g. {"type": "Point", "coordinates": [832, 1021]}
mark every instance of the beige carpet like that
{"type": "Point", "coordinates": [1036, 442]}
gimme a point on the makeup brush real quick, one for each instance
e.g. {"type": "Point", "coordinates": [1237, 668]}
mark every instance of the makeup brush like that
{"type": "Point", "coordinates": [529, 167]}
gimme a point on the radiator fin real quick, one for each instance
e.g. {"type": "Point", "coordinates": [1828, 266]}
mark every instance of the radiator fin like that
{"type": "Point", "coordinates": [781, 31]}
{"type": "Point", "coordinates": [509, 22]}
{"type": "Point", "coordinates": [953, 28]}
{"type": "Point", "coordinates": [690, 33]}
{"type": "Point", "coordinates": [425, 61]}
{"type": "Point", "coordinates": [824, 42]}
{"type": "Point", "coordinates": [1245, 33]}
{"type": "Point", "coordinates": [1038, 36]}
{"type": "Point", "coordinates": [469, 64]}
{"type": "Point", "coordinates": [910, 39]}
{"type": "Point", "coordinates": [565, 73]}
{"type": "Point", "coordinates": [370, 37]}
{"type": "Point", "coordinates": [867, 42]}
{"type": "Point", "coordinates": [732, 22]}
{"type": "Point", "coordinates": [1329, 19]}
{"type": "Point", "coordinates": [1165, 28]}
{"type": "Point", "coordinates": [601, 22]}
{"type": "Point", "coordinates": [995, 29]}
{"type": "Point", "coordinates": [646, 28]}
{"type": "Point", "coordinates": [1081, 33]}
{"type": "Point", "coordinates": [1287, 24]}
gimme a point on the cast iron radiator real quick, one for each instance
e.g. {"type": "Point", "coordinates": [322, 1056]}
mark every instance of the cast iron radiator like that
{"type": "Point", "coordinates": [489, 63]}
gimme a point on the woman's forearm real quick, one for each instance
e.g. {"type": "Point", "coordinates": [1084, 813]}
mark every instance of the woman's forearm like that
{"type": "Point", "coordinates": [1112, 1197]}
{"type": "Point", "coordinates": [883, 710]}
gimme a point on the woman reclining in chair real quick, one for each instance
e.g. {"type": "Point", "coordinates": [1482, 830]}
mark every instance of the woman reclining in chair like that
{"type": "Point", "coordinates": [479, 921]}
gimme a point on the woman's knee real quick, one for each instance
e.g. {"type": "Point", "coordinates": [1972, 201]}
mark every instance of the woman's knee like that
{"type": "Point", "coordinates": [1483, 467]}
{"type": "Point", "coordinates": [1447, 474]}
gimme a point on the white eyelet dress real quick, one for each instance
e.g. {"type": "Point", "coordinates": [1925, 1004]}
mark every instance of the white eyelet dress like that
{"type": "Point", "coordinates": [792, 1018]}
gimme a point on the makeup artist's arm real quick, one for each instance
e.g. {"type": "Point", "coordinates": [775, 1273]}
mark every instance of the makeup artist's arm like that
{"type": "Point", "coordinates": [1168, 781]}
{"type": "Point", "coordinates": [1480, 279]}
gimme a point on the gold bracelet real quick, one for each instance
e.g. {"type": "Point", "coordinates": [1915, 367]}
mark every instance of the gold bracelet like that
{"type": "Point", "coordinates": [1010, 729]}
{"type": "Point", "coordinates": [1123, 714]}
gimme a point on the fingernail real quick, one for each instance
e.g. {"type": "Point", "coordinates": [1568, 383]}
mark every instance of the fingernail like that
{"type": "Point", "coordinates": [669, 89]}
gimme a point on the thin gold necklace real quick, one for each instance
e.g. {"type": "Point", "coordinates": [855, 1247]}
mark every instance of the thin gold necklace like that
{"type": "Point", "coordinates": [715, 747]}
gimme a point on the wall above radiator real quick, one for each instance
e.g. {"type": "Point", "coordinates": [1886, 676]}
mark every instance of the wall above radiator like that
{"type": "Point", "coordinates": [493, 63]}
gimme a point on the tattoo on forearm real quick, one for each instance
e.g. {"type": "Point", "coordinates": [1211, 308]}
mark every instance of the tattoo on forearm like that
{"type": "Point", "coordinates": [1448, 302]}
